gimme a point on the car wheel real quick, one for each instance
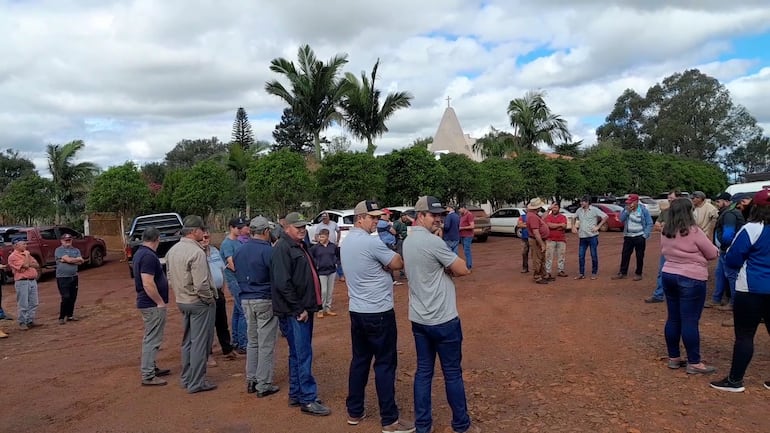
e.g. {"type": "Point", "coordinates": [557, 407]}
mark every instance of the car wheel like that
{"type": "Point", "coordinates": [518, 232]}
{"type": "Point", "coordinates": [482, 238]}
{"type": "Point", "coordinates": [604, 228]}
{"type": "Point", "coordinates": [97, 257]}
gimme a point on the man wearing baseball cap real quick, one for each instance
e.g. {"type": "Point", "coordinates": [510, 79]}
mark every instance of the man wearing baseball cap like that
{"type": "Point", "coordinates": [238, 228]}
{"type": "Point", "coordinates": [430, 266]}
{"type": "Point", "coordinates": [67, 260]}
{"type": "Point", "coordinates": [368, 264]}
{"type": "Point", "coordinates": [25, 272]}
{"type": "Point", "coordinates": [296, 292]}
{"type": "Point", "coordinates": [637, 228]}
{"type": "Point", "coordinates": [729, 222]}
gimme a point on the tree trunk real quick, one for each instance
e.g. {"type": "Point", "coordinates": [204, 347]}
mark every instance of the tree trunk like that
{"type": "Point", "coordinates": [317, 145]}
{"type": "Point", "coordinates": [370, 147]}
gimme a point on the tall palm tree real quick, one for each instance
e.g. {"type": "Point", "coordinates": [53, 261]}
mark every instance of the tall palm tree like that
{"type": "Point", "coordinates": [497, 144]}
{"type": "Point", "coordinates": [364, 117]}
{"type": "Point", "coordinates": [70, 180]}
{"type": "Point", "coordinates": [314, 92]}
{"type": "Point", "coordinates": [533, 123]}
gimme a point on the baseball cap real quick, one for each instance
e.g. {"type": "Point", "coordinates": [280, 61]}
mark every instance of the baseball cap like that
{"type": "Point", "coordinates": [18, 239]}
{"type": "Point", "coordinates": [238, 222]}
{"type": "Point", "coordinates": [296, 219]}
{"type": "Point", "coordinates": [66, 236]}
{"type": "Point", "coordinates": [724, 196]}
{"type": "Point", "coordinates": [193, 222]}
{"type": "Point", "coordinates": [430, 204]}
{"type": "Point", "coordinates": [738, 196]}
{"type": "Point", "coordinates": [586, 199]}
{"type": "Point", "coordinates": [632, 198]}
{"type": "Point", "coordinates": [387, 211]}
{"type": "Point", "coordinates": [368, 207]}
{"type": "Point", "coordinates": [259, 224]}
{"type": "Point", "coordinates": [761, 198]}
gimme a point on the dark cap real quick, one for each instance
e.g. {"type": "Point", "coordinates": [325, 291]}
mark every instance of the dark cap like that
{"type": "Point", "coordinates": [430, 204]}
{"type": "Point", "coordinates": [193, 222]}
{"type": "Point", "coordinates": [738, 196]}
{"type": "Point", "coordinates": [238, 222]}
{"type": "Point", "coordinates": [724, 196]}
{"type": "Point", "coordinates": [586, 199]}
{"type": "Point", "coordinates": [761, 198]}
{"type": "Point", "coordinates": [296, 219]}
{"type": "Point", "coordinates": [259, 224]}
{"type": "Point", "coordinates": [368, 207]}
{"type": "Point", "coordinates": [462, 206]}
{"type": "Point", "coordinates": [18, 239]}
{"type": "Point", "coordinates": [66, 236]}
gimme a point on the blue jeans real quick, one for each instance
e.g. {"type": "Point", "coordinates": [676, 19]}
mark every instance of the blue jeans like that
{"type": "Point", "coordinates": [467, 250]}
{"type": "Point", "coordinates": [26, 301]}
{"type": "Point", "coordinates": [452, 245]}
{"type": "Point", "coordinates": [339, 271]}
{"type": "Point", "coordinates": [685, 298]}
{"type": "Point", "coordinates": [658, 293]}
{"type": "Point", "coordinates": [373, 335]}
{"type": "Point", "coordinates": [585, 243]}
{"type": "Point", "coordinates": [302, 386]}
{"type": "Point", "coordinates": [446, 341]}
{"type": "Point", "coordinates": [240, 335]}
{"type": "Point", "coordinates": [725, 277]}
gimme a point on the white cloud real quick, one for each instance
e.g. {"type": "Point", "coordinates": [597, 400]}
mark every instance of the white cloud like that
{"type": "Point", "coordinates": [133, 77]}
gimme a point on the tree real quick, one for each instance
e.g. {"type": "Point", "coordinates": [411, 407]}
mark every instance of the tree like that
{"type": "Point", "coordinates": [364, 117]}
{"type": "Point", "coordinates": [533, 123]}
{"type": "Point", "coordinates": [315, 90]}
{"type": "Point", "coordinates": [288, 134]}
{"type": "Point", "coordinates": [204, 188]}
{"type": "Point", "coordinates": [279, 182]}
{"type": "Point", "coordinates": [570, 181]}
{"type": "Point", "coordinates": [120, 189]}
{"type": "Point", "coordinates": [346, 178]}
{"type": "Point", "coordinates": [571, 149]}
{"type": "Point", "coordinates": [187, 153]}
{"type": "Point", "coordinates": [165, 197]}
{"type": "Point", "coordinates": [411, 172]}
{"type": "Point", "coordinates": [154, 172]}
{"type": "Point", "coordinates": [28, 199]}
{"type": "Point", "coordinates": [422, 142]}
{"type": "Point", "coordinates": [70, 180]}
{"type": "Point", "coordinates": [465, 180]}
{"type": "Point", "coordinates": [627, 123]}
{"type": "Point", "coordinates": [538, 175]}
{"type": "Point", "coordinates": [504, 179]}
{"type": "Point", "coordinates": [339, 144]}
{"type": "Point", "coordinates": [242, 133]}
{"type": "Point", "coordinates": [497, 144]}
{"type": "Point", "coordinates": [13, 166]}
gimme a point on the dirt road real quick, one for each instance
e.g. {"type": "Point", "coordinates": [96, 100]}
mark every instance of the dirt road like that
{"type": "Point", "coordinates": [572, 356]}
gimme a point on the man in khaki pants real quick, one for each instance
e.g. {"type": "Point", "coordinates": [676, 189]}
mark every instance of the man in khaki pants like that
{"type": "Point", "coordinates": [538, 234]}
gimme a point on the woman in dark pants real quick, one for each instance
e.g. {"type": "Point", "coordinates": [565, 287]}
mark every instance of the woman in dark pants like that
{"type": "Point", "coordinates": [687, 250]}
{"type": "Point", "coordinates": [750, 253]}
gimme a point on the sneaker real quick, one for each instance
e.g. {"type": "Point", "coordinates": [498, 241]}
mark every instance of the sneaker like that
{"type": "Point", "coordinates": [618, 277]}
{"type": "Point", "coordinates": [211, 362]}
{"type": "Point", "coordinates": [270, 390]}
{"type": "Point", "coordinates": [637, 278]}
{"type": "Point", "coordinates": [398, 283]}
{"type": "Point", "coordinates": [23, 326]}
{"type": "Point", "coordinates": [706, 369]}
{"type": "Point", "coordinates": [155, 381]}
{"type": "Point", "coordinates": [727, 385]}
{"type": "Point", "coordinates": [316, 409]}
{"type": "Point", "coordinates": [355, 420]}
{"type": "Point", "coordinates": [62, 321]}
{"type": "Point", "coordinates": [580, 277]}
{"type": "Point", "coordinates": [293, 402]}
{"type": "Point", "coordinates": [320, 315]}
{"type": "Point", "coordinates": [330, 313]}
{"type": "Point", "coordinates": [541, 281]}
{"type": "Point", "coordinates": [72, 319]}
{"type": "Point", "coordinates": [160, 372]}
{"type": "Point", "coordinates": [240, 350]}
{"type": "Point", "coordinates": [207, 386]}
{"type": "Point", "coordinates": [399, 426]}
{"type": "Point", "coordinates": [767, 385]}
{"type": "Point", "coordinates": [710, 304]}
{"type": "Point", "coordinates": [3, 334]}
{"type": "Point", "coordinates": [562, 274]}
{"type": "Point", "coordinates": [676, 363]}
{"type": "Point", "coordinates": [653, 300]}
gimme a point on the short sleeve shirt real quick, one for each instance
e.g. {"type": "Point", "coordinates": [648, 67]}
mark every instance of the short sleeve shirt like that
{"type": "Point", "coordinates": [534, 222]}
{"type": "Point", "coordinates": [217, 267]}
{"type": "Point", "coordinates": [66, 269]}
{"type": "Point", "coordinates": [332, 227]}
{"type": "Point", "coordinates": [556, 235]}
{"type": "Point", "coordinates": [465, 220]}
{"type": "Point", "coordinates": [229, 247]}
{"type": "Point", "coordinates": [146, 262]}
{"type": "Point", "coordinates": [432, 296]}
{"type": "Point", "coordinates": [370, 286]}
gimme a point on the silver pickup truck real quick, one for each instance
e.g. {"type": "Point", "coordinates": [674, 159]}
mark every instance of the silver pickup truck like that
{"type": "Point", "coordinates": [168, 224]}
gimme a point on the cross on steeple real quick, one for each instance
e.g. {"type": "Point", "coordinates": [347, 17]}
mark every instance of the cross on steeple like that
{"type": "Point", "coordinates": [447, 101]}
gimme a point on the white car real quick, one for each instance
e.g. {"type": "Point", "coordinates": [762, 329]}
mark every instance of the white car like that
{"type": "Point", "coordinates": [343, 218]}
{"type": "Point", "coordinates": [505, 220]}
{"type": "Point", "coordinates": [652, 205]}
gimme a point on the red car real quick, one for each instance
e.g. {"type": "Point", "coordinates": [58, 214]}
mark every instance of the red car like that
{"type": "Point", "coordinates": [613, 216]}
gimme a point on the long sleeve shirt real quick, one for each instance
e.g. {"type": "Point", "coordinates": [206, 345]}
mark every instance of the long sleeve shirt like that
{"type": "Point", "coordinates": [189, 274]}
{"type": "Point", "coordinates": [688, 255]}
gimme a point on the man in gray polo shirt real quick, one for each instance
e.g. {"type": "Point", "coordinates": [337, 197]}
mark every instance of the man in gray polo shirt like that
{"type": "Point", "coordinates": [588, 221]}
{"type": "Point", "coordinates": [368, 263]}
{"type": "Point", "coordinates": [430, 266]}
{"type": "Point", "coordinates": [67, 260]}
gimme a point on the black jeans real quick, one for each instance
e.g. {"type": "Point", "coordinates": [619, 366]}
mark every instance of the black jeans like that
{"type": "Point", "coordinates": [632, 244]}
{"type": "Point", "coordinates": [373, 335]}
{"type": "Point", "coordinates": [748, 309]}
{"type": "Point", "coordinates": [220, 323]}
{"type": "Point", "coordinates": [68, 289]}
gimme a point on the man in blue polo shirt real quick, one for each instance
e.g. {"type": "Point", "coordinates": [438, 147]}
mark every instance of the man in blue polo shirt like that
{"type": "Point", "coordinates": [151, 298]}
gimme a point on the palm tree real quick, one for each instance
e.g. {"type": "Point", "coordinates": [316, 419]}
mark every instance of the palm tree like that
{"type": "Point", "coordinates": [533, 123]}
{"type": "Point", "coordinates": [315, 90]}
{"type": "Point", "coordinates": [70, 180]}
{"type": "Point", "coordinates": [496, 143]}
{"type": "Point", "coordinates": [364, 117]}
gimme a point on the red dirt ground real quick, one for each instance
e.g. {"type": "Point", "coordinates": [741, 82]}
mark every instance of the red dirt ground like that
{"type": "Point", "coordinates": [572, 356]}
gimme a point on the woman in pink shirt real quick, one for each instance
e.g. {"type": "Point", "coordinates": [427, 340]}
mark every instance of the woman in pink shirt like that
{"type": "Point", "coordinates": [687, 251]}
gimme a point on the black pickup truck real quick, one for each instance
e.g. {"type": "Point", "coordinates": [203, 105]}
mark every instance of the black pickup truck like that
{"type": "Point", "coordinates": [169, 225]}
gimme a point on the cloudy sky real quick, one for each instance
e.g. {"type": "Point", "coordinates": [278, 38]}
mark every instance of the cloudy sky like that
{"type": "Point", "coordinates": [132, 78]}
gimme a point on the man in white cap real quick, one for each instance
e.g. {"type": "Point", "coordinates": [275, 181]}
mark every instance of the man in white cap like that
{"type": "Point", "coordinates": [368, 264]}
{"type": "Point", "coordinates": [538, 234]}
{"type": "Point", "coordinates": [430, 266]}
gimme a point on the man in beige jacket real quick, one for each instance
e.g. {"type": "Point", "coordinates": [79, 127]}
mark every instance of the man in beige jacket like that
{"type": "Point", "coordinates": [705, 214]}
{"type": "Point", "coordinates": [190, 277]}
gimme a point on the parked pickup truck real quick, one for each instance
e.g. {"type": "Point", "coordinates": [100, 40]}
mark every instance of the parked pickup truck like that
{"type": "Point", "coordinates": [169, 225]}
{"type": "Point", "coordinates": [43, 241]}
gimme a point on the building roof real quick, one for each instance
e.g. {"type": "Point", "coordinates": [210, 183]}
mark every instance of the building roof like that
{"type": "Point", "coordinates": [450, 138]}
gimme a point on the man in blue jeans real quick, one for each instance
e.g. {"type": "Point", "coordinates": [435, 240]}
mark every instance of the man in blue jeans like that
{"type": "Point", "coordinates": [373, 333]}
{"type": "Point", "coordinates": [430, 265]}
{"type": "Point", "coordinates": [231, 244]}
{"type": "Point", "coordinates": [588, 220]}
{"type": "Point", "coordinates": [296, 293]}
{"type": "Point", "coordinates": [729, 222]}
{"type": "Point", "coordinates": [452, 228]}
{"type": "Point", "coordinates": [467, 226]}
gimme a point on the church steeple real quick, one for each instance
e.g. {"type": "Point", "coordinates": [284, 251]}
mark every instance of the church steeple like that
{"type": "Point", "coordinates": [450, 138]}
